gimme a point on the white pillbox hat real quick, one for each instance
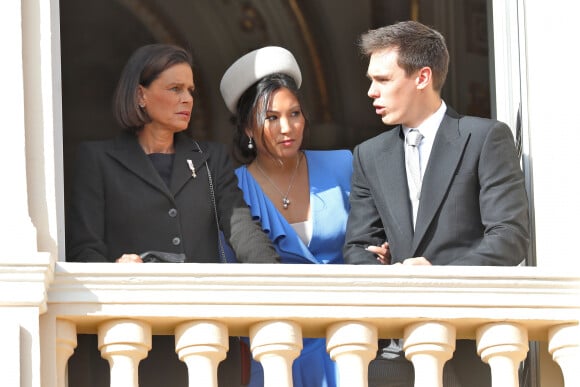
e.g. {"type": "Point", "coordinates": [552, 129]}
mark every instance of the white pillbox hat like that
{"type": "Point", "coordinates": [253, 66]}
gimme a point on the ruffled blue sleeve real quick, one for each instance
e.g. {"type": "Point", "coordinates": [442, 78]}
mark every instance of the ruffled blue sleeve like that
{"type": "Point", "coordinates": [287, 243]}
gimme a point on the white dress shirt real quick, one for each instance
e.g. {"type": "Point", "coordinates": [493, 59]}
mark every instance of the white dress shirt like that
{"type": "Point", "coordinates": [428, 129]}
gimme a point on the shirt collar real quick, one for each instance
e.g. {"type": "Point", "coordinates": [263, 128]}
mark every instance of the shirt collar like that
{"type": "Point", "coordinates": [429, 127]}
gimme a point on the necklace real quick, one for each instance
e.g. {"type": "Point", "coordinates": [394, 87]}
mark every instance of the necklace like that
{"type": "Point", "coordinates": [285, 200]}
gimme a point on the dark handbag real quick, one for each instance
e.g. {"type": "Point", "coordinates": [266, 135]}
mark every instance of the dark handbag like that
{"type": "Point", "coordinates": [162, 257]}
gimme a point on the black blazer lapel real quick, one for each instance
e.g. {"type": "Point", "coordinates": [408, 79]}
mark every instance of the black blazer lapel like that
{"type": "Point", "coordinates": [392, 180]}
{"type": "Point", "coordinates": [444, 160]}
{"type": "Point", "coordinates": [186, 149]}
{"type": "Point", "coordinates": [127, 151]}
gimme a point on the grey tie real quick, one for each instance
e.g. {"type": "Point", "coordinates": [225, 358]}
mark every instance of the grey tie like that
{"type": "Point", "coordinates": [412, 140]}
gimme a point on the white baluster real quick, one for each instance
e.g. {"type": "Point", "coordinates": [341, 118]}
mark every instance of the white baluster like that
{"type": "Point", "coordinates": [352, 345]}
{"type": "Point", "coordinates": [503, 346]}
{"type": "Point", "coordinates": [429, 345]}
{"type": "Point", "coordinates": [275, 344]}
{"type": "Point", "coordinates": [66, 342]}
{"type": "Point", "coordinates": [202, 345]}
{"type": "Point", "coordinates": [124, 343]}
{"type": "Point", "coordinates": [564, 345]}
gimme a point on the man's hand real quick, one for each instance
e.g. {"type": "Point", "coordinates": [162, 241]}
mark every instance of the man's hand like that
{"type": "Point", "coordinates": [416, 261]}
{"type": "Point", "coordinates": [382, 252]}
{"type": "Point", "coordinates": [129, 258]}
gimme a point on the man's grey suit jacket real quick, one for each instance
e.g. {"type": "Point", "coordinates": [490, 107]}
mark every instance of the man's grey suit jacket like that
{"type": "Point", "coordinates": [473, 208]}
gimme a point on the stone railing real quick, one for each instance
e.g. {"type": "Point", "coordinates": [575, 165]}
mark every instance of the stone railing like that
{"type": "Point", "coordinates": [352, 306]}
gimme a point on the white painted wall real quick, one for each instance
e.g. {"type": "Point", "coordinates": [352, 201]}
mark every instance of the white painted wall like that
{"type": "Point", "coordinates": [17, 235]}
{"type": "Point", "coordinates": [553, 105]}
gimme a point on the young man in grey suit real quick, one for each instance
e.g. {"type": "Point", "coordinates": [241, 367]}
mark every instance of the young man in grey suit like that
{"type": "Point", "coordinates": [454, 196]}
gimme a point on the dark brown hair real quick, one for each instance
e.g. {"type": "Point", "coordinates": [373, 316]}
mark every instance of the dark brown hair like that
{"type": "Point", "coordinates": [418, 46]}
{"type": "Point", "coordinates": [142, 68]}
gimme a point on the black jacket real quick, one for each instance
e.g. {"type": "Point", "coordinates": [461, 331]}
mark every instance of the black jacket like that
{"type": "Point", "coordinates": [120, 204]}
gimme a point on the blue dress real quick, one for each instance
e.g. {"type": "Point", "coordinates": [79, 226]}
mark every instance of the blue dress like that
{"type": "Point", "coordinates": [329, 175]}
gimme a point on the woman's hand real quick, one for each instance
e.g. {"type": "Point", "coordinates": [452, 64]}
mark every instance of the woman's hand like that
{"type": "Point", "coordinates": [129, 258]}
{"type": "Point", "coordinates": [382, 252]}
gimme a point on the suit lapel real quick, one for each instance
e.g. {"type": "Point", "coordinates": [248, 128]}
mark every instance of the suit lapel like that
{"type": "Point", "coordinates": [444, 160]}
{"type": "Point", "coordinates": [185, 149]}
{"type": "Point", "coordinates": [390, 167]}
{"type": "Point", "coordinates": [128, 152]}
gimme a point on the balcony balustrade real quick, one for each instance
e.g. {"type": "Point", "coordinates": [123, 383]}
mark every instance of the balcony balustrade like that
{"type": "Point", "coordinates": [502, 308]}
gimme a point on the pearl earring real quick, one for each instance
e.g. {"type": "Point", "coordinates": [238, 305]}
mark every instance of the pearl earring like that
{"type": "Point", "coordinates": [251, 143]}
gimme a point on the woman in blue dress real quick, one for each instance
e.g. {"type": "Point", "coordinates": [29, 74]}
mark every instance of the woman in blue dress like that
{"type": "Point", "coordinates": [299, 196]}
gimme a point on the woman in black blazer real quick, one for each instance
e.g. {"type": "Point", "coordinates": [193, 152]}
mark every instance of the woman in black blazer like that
{"type": "Point", "coordinates": [151, 187]}
{"type": "Point", "coordinates": [154, 188]}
